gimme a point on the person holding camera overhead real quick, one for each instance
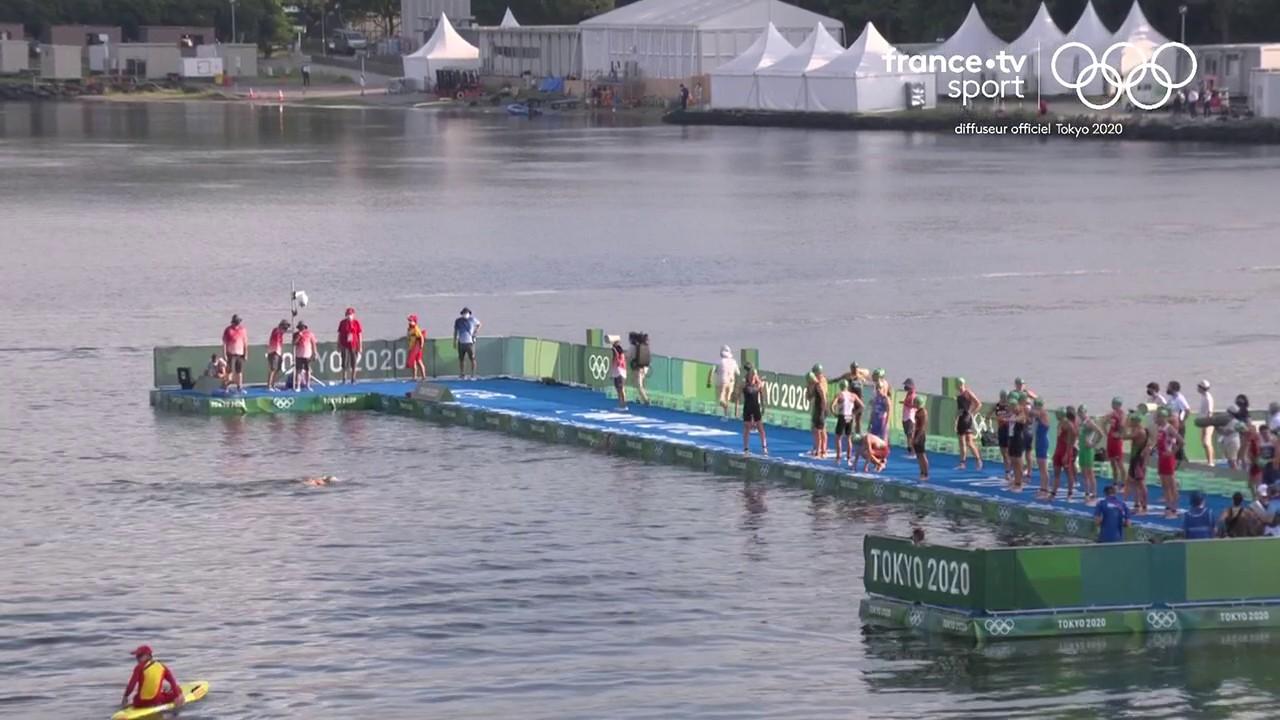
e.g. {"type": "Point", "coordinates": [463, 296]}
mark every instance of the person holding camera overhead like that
{"type": "Point", "coordinates": [640, 362]}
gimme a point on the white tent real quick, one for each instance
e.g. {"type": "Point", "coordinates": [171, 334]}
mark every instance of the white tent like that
{"type": "Point", "coordinates": [1143, 41]}
{"type": "Point", "coordinates": [733, 85]}
{"type": "Point", "coordinates": [508, 20]}
{"type": "Point", "coordinates": [444, 50]}
{"type": "Point", "coordinates": [780, 86]}
{"type": "Point", "coordinates": [678, 39]}
{"type": "Point", "coordinates": [1036, 45]}
{"type": "Point", "coordinates": [972, 38]}
{"type": "Point", "coordinates": [1091, 33]}
{"type": "Point", "coordinates": [863, 79]}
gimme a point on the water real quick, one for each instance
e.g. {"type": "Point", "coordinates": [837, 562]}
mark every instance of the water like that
{"type": "Point", "coordinates": [467, 575]}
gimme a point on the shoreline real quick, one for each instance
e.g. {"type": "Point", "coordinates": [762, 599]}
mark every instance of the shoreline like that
{"type": "Point", "coordinates": [1242, 131]}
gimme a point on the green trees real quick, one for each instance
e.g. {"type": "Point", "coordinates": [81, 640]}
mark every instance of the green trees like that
{"type": "Point", "coordinates": [257, 21]}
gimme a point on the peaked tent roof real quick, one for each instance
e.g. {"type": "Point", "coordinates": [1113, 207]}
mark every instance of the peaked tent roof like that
{"type": "Point", "coordinates": [768, 49]}
{"type": "Point", "coordinates": [508, 20]}
{"type": "Point", "coordinates": [710, 14]}
{"type": "Point", "coordinates": [973, 37]}
{"type": "Point", "coordinates": [866, 56]}
{"type": "Point", "coordinates": [1089, 30]}
{"type": "Point", "coordinates": [446, 43]}
{"type": "Point", "coordinates": [817, 50]}
{"type": "Point", "coordinates": [1135, 23]}
{"type": "Point", "coordinates": [1042, 31]}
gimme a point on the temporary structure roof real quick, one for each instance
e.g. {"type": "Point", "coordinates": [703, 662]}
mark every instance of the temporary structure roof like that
{"type": "Point", "coordinates": [1090, 32]}
{"type": "Point", "coordinates": [1037, 45]}
{"type": "Point", "coordinates": [866, 56]}
{"type": "Point", "coordinates": [733, 85]}
{"type": "Point", "coordinates": [781, 85]}
{"type": "Point", "coordinates": [1135, 23]}
{"type": "Point", "coordinates": [736, 14]}
{"type": "Point", "coordinates": [973, 37]}
{"type": "Point", "coordinates": [508, 20]}
{"type": "Point", "coordinates": [862, 79]}
{"type": "Point", "coordinates": [445, 49]}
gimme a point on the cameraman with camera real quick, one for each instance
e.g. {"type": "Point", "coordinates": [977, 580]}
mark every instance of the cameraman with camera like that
{"type": "Point", "coordinates": [640, 361]}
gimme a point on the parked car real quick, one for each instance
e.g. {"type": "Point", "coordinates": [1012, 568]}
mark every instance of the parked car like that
{"type": "Point", "coordinates": [347, 42]}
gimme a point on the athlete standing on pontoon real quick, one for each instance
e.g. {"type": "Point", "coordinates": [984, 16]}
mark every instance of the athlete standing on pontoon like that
{"type": "Point", "coordinates": [967, 405]}
{"type": "Point", "coordinates": [918, 437]}
{"type": "Point", "coordinates": [753, 410]}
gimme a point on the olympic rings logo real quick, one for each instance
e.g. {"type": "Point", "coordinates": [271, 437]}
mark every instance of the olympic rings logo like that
{"type": "Point", "coordinates": [598, 365]}
{"type": "Point", "coordinates": [764, 470]}
{"type": "Point", "coordinates": [915, 618]}
{"type": "Point", "coordinates": [283, 403]}
{"type": "Point", "coordinates": [1124, 84]}
{"type": "Point", "coordinates": [940, 501]}
{"type": "Point", "coordinates": [998, 626]}
{"type": "Point", "coordinates": [1072, 526]}
{"type": "Point", "coordinates": [1162, 619]}
{"type": "Point", "coordinates": [1004, 513]}
{"type": "Point", "coordinates": [879, 490]}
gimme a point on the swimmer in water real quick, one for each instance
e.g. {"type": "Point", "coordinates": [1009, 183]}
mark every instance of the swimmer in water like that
{"type": "Point", "coordinates": [321, 481]}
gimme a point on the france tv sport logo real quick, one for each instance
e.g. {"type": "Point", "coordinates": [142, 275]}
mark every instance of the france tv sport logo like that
{"type": "Point", "coordinates": [1124, 83]}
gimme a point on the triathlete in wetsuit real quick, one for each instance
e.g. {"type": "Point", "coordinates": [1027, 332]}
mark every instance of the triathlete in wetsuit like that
{"type": "Point", "coordinates": [753, 410]}
{"type": "Point", "coordinates": [1138, 452]}
{"type": "Point", "coordinates": [1017, 440]}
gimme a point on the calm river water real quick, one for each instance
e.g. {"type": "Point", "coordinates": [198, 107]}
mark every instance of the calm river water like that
{"type": "Point", "coordinates": [464, 575]}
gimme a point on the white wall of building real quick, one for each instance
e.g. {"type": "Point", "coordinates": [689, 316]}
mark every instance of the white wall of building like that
{"type": "Point", "coordinates": [418, 17]}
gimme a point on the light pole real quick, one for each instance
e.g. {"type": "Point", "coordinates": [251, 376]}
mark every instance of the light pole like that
{"type": "Point", "coordinates": [1182, 13]}
{"type": "Point", "coordinates": [233, 21]}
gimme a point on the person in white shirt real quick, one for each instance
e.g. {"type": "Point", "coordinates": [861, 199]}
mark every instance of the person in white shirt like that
{"type": "Point", "coordinates": [725, 374]}
{"type": "Point", "coordinates": [1273, 417]}
{"type": "Point", "coordinates": [1206, 412]}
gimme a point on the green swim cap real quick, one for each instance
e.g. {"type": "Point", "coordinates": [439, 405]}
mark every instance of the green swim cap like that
{"type": "Point", "coordinates": [844, 384]}
{"type": "Point", "coordinates": [856, 438]}
{"type": "Point", "coordinates": [961, 381]}
{"type": "Point", "coordinates": [1018, 381]}
{"type": "Point", "coordinates": [919, 401]}
{"type": "Point", "coordinates": [817, 368]}
{"type": "Point", "coordinates": [810, 377]}
{"type": "Point", "coordinates": [1039, 402]}
{"type": "Point", "coordinates": [1014, 396]}
{"type": "Point", "coordinates": [1082, 410]}
{"type": "Point", "coordinates": [1117, 401]}
{"type": "Point", "coordinates": [878, 372]}
{"type": "Point", "coordinates": [1135, 417]}
{"type": "Point", "coordinates": [1060, 413]}
{"type": "Point", "coordinates": [1163, 412]}
{"type": "Point", "coordinates": [1142, 409]}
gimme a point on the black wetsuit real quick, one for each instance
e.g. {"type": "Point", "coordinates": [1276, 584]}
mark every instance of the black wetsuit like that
{"type": "Point", "coordinates": [751, 411]}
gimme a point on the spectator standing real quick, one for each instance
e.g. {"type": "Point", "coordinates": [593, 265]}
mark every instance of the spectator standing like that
{"type": "Point", "coordinates": [350, 343]}
{"type": "Point", "coordinates": [684, 97]}
{"type": "Point", "coordinates": [235, 344]}
{"type": "Point", "coordinates": [1154, 397]}
{"type": "Point", "coordinates": [1198, 523]}
{"type": "Point", "coordinates": [306, 75]}
{"type": "Point", "coordinates": [640, 361]}
{"type": "Point", "coordinates": [416, 338]}
{"type": "Point", "coordinates": [275, 353]}
{"type": "Point", "coordinates": [1111, 516]}
{"type": "Point", "coordinates": [1240, 411]}
{"type": "Point", "coordinates": [465, 329]}
{"type": "Point", "coordinates": [1262, 515]}
{"type": "Point", "coordinates": [1205, 414]}
{"type": "Point", "coordinates": [724, 374]}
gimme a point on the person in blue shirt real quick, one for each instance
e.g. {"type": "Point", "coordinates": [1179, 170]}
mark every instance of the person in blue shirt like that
{"type": "Point", "coordinates": [1198, 523]}
{"type": "Point", "coordinates": [1111, 516]}
{"type": "Point", "coordinates": [465, 329]}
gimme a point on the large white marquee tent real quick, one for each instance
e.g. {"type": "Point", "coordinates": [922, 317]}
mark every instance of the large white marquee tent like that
{"type": "Point", "coordinates": [444, 50]}
{"type": "Point", "coordinates": [733, 85]}
{"type": "Point", "coordinates": [863, 80]}
{"type": "Point", "coordinates": [1144, 39]}
{"type": "Point", "coordinates": [781, 85]}
{"type": "Point", "coordinates": [972, 38]}
{"type": "Point", "coordinates": [1037, 44]}
{"type": "Point", "coordinates": [678, 39]}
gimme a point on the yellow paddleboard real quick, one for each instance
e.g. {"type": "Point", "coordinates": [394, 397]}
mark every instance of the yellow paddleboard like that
{"type": "Point", "coordinates": [191, 692]}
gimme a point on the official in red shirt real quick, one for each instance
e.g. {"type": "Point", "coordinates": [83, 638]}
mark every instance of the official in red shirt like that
{"type": "Point", "coordinates": [275, 353]}
{"type": "Point", "coordinates": [349, 344]}
{"type": "Point", "coordinates": [235, 344]}
{"type": "Point", "coordinates": [150, 678]}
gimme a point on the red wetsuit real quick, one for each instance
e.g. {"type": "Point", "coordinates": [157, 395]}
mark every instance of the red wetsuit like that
{"type": "Point", "coordinates": [1115, 435]}
{"type": "Point", "coordinates": [1064, 453]}
{"type": "Point", "coordinates": [1166, 450]}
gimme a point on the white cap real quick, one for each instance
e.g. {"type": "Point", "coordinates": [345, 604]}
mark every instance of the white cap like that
{"type": "Point", "coordinates": [1204, 385]}
{"type": "Point", "coordinates": [611, 339]}
{"type": "Point", "coordinates": [725, 351]}
{"type": "Point", "coordinates": [1262, 490]}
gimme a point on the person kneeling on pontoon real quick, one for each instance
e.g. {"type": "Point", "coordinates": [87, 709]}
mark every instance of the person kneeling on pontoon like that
{"type": "Point", "coordinates": [873, 449]}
